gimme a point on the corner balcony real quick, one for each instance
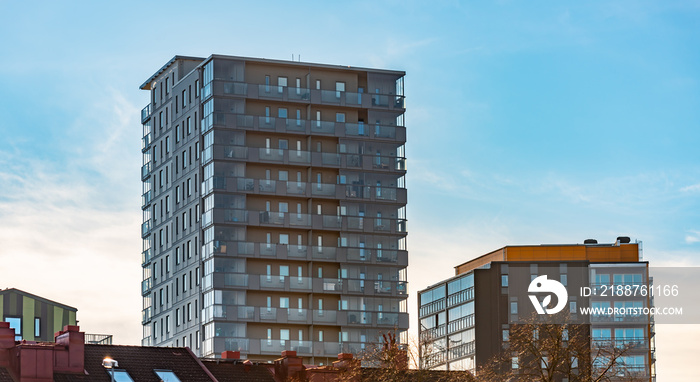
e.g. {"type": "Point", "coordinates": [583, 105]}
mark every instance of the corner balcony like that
{"type": "Point", "coordinates": [145, 171]}
{"type": "Point", "coordinates": [146, 142]}
{"type": "Point", "coordinates": [308, 127]}
{"type": "Point", "coordinates": [369, 256]}
{"type": "Point", "coordinates": [146, 199]}
{"type": "Point", "coordinates": [146, 228]}
{"type": "Point", "coordinates": [145, 113]}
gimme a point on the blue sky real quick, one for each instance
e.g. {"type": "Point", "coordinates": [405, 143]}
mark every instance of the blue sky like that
{"type": "Point", "coordinates": [528, 122]}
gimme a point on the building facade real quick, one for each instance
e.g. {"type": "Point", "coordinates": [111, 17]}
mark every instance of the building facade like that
{"type": "Point", "coordinates": [274, 207]}
{"type": "Point", "coordinates": [468, 321]}
{"type": "Point", "coordinates": [32, 317]}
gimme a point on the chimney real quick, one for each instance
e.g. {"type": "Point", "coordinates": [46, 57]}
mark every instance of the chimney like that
{"type": "Point", "coordinates": [289, 366]}
{"type": "Point", "coordinates": [228, 354]}
{"type": "Point", "coordinates": [71, 358]}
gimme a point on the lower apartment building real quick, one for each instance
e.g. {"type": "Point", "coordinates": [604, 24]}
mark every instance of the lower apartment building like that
{"type": "Point", "coordinates": [274, 207]}
{"type": "Point", "coordinates": [477, 318]}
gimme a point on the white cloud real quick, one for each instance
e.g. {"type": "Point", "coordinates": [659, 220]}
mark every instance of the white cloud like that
{"type": "Point", "coordinates": [691, 188]}
{"type": "Point", "coordinates": [69, 226]}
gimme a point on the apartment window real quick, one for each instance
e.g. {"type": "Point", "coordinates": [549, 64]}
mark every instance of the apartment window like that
{"type": "Point", "coordinates": [167, 264]}
{"type": "Point", "coordinates": [160, 297]}
{"type": "Point", "coordinates": [176, 105]}
{"type": "Point", "coordinates": [504, 280]}
{"type": "Point", "coordinates": [318, 84]}
{"type": "Point", "coordinates": [189, 187]}
{"type": "Point", "coordinates": [196, 150]}
{"type": "Point", "coordinates": [167, 85]}
{"type": "Point", "coordinates": [37, 327]}
{"type": "Point", "coordinates": [564, 279]}
{"type": "Point", "coordinates": [340, 117]}
{"type": "Point", "coordinates": [339, 88]}
{"type": "Point", "coordinates": [196, 88]}
{"type": "Point", "coordinates": [189, 126]}
{"type": "Point", "coordinates": [513, 307]}
{"type": "Point", "coordinates": [177, 194]}
{"type": "Point", "coordinates": [184, 98]}
{"type": "Point", "coordinates": [16, 324]}
{"type": "Point", "coordinates": [184, 159]}
{"type": "Point", "coordinates": [320, 335]}
{"type": "Point", "coordinates": [177, 317]}
{"type": "Point", "coordinates": [160, 120]}
{"type": "Point", "coordinates": [506, 335]}
{"type": "Point", "coordinates": [177, 255]}
{"type": "Point", "coordinates": [572, 307]}
{"type": "Point", "coordinates": [281, 84]}
{"type": "Point", "coordinates": [160, 178]}
{"type": "Point", "coordinates": [282, 112]}
{"type": "Point", "coordinates": [167, 204]}
{"type": "Point", "coordinates": [167, 324]}
{"type": "Point", "coordinates": [184, 283]}
{"type": "Point", "coordinates": [189, 311]}
{"type": "Point", "coordinates": [298, 86]}
{"type": "Point", "coordinates": [267, 84]}
{"type": "Point", "coordinates": [284, 302]}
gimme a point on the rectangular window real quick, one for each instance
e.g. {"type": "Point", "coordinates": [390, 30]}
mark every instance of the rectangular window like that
{"type": "Point", "coordinates": [340, 117]}
{"type": "Point", "coordinates": [184, 98]}
{"type": "Point", "coordinates": [189, 126]}
{"type": "Point", "coordinates": [16, 324]}
{"type": "Point", "coordinates": [37, 327]}
{"type": "Point", "coordinates": [196, 88]}
{"type": "Point", "coordinates": [504, 280]}
{"type": "Point", "coordinates": [281, 84]}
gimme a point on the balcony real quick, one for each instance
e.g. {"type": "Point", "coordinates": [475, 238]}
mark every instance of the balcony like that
{"type": "Point", "coordinates": [305, 95]}
{"type": "Point", "coordinates": [145, 113]}
{"type": "Point", "coordinates": [307, 127]}
{"type": "Point", "coordinates": [310, 284]}
{"type": "Point", "coordinates": [145, 171]}
{"type": "Point", "coordinates": [146, 256]}
{"type": "Point", "coordinates": [321, 190]}
{"type": "Point", "coordinates": [146, 228]}
{"type": "Point", "coordinates": [146, 315]}
{"type": "Point", "coordinates": [374, 256]}
{"type": "Point", "coordinates": [146, 199]}
{"type": "Point", "coordinates": [390, 163]}
{"type": "Point", "coordinates": [146, 142]}
{"type": "Point", "coordinates": [146, 285]}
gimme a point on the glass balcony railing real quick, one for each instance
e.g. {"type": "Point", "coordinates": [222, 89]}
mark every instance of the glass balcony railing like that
{"type": "Point", "coordinates": [306, 126]}
{"type": "Point", "coordinates": [145, 171]}
{"type": "Point", "coordinates": [146, 198]}
{"type": "Point", "coordinates": [145, 113]}
{"type": "Point", "coordinates": [146, 228]}
{"type": "Point", "coordinates": [146, 142]}
{"type": "Point", "coordinates": [146, 285]}
{"type": "Point", "coordinates": [305, 95]}
{"type": "Point", "coordinates": [146, 315]}
{"type": "Point", "coordinates": [146, 256]}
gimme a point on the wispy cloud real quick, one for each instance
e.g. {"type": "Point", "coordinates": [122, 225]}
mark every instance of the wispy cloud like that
{"type": "Point", "coordinates": [77, 218]}
{"type": "Point", "coordinates": [692, 237]}
{"type": "Point", "coordinates": [691, 188]}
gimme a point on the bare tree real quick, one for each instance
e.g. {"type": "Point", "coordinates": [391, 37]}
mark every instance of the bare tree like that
{"type": "Point", "coordinates": [546, 350]}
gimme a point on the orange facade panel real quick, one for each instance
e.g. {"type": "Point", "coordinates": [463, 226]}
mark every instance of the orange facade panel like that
{"type": "Point", "coordinates": [593, 253]}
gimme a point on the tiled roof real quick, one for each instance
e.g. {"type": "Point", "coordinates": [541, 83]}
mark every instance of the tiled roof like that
{"type": "Point", "coordinates": [139, 362]}
{"type": "Point", "coordinates": [234, 371]}
{"type": "Point", "coordinates": [5, 375]}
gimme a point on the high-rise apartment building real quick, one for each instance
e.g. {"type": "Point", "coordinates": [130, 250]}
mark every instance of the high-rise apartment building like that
{"type": "Point", "coordinates": [466, 322]}
{"type": "Point", "coordinates": [274, 207]}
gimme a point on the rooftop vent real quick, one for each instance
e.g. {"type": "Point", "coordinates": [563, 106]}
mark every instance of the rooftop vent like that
{"type": "Point", "coordinates": [590, 241]}
{"type": "Point", "coordinates": [623, 239]}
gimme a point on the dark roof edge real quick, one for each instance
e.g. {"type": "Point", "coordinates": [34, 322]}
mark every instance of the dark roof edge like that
{"type": "Point", "coordinates": [165, 67]}
{"type": "Point", "coordinates": [199, 362]}
{"type": "Point", "coordinates": [39, 298]}
{"type": "Point", "coordinates": [312, 64]}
